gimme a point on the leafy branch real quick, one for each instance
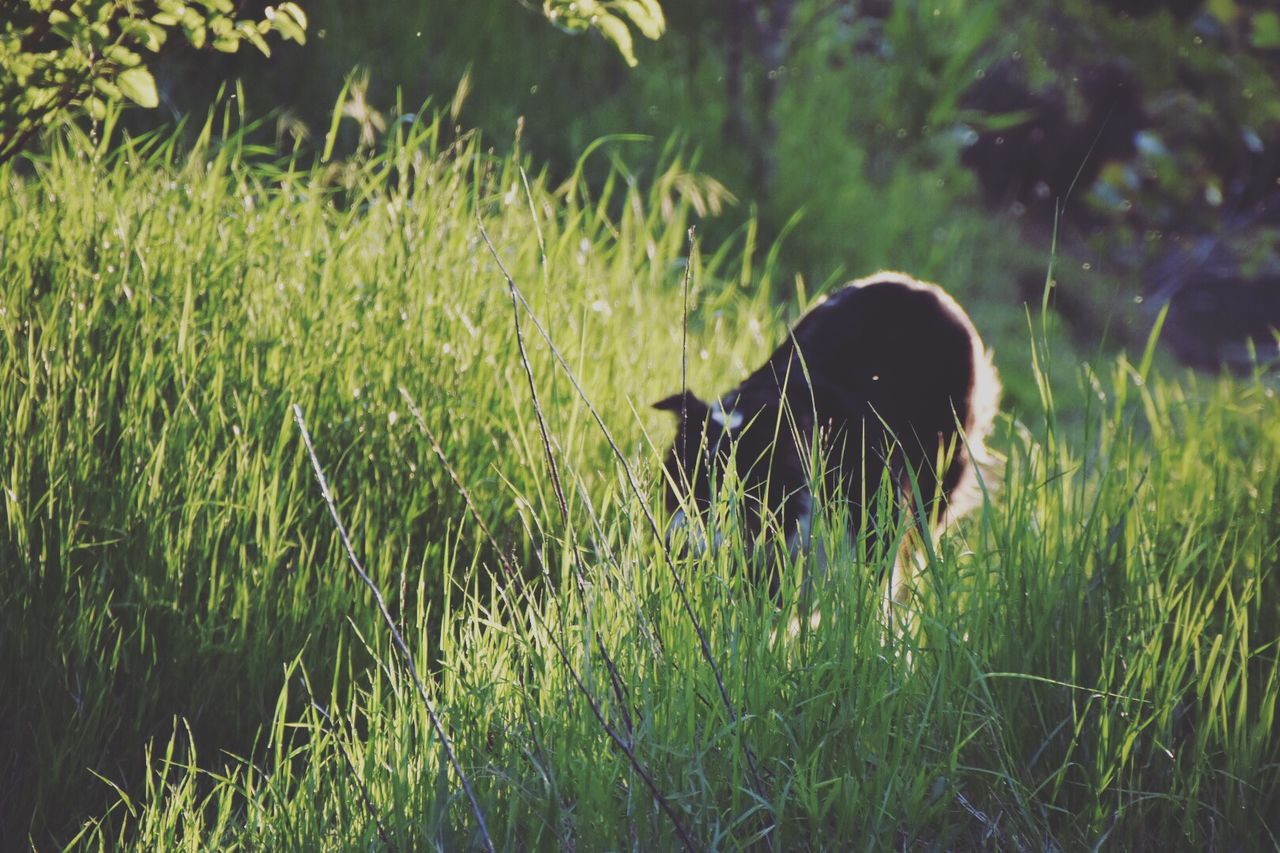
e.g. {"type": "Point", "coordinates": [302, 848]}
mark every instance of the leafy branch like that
{"type": "Point", "coordinates": [60, 58]}
{"type": "Point", "coordinates": [612, 18]}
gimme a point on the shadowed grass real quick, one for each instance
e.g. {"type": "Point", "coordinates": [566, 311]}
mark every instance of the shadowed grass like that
{"type": "Point", "coordinates": [1091, 660]}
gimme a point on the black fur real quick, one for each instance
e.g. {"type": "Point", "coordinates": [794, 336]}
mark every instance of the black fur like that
{"type": "Point", "coordinates": [882, 375]}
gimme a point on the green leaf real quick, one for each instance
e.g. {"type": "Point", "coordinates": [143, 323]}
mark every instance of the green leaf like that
{"type": "Point", "coordinates": [139, 86]}
{"type": "Point", "coordinates": [285, 24]}
{"type": "Point", "coordinates": [569, 16]}
{"type": "Point", "coordinates": [107, 89]}
{"type": "Point", "coordinates": [1266, 30]}
{"type": "Point", "coordinates": [122, 56]}
{"type": "Point", "coordinates": [95, 107]}
{"type": "Point", "coordinates": [68, 30]}
{"type": "Point", "coordinates": [1225, 11]}
{"type": "Point", "coordinates": [332, 135]}
{"type": "Point", "coordinates": [249, 30]}
{"type": "Point", "coordinates": [221, 26]}
{"type": "Point", "coordinates": [646, 16]}
{"type": "Point", "coordinates": [145, 33]}
{"type": "Point", "coordinates": [193, 25]}
{"type": "Point", "coordinates": [616, 31]}
{"type": "Point", "coordinates": [293, 10]}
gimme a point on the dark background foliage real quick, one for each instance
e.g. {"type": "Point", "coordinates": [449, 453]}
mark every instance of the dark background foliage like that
{"type": "Point", "coordinates": [1143, 134]}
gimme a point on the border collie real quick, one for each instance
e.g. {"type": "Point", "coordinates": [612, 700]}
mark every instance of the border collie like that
{"type": "Point", "coordinates": [885, 379]}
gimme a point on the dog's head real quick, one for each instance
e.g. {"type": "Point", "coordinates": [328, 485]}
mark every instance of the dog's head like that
{"type": "Point", "coordinates": [741, 448]}
{"type": "Point", "coordinates": [705, 435]}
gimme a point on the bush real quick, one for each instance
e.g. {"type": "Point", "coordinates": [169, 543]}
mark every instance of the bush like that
{"type": "Point", "coordinates": [63, 57]}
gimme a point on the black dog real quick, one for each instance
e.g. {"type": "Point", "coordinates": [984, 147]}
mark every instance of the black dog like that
{"type": "Point", "coordinates": [878, 381]}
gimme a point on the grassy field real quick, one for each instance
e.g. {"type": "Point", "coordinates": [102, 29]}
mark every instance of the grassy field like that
{"type": "Point", "coordinates": [188, 661]}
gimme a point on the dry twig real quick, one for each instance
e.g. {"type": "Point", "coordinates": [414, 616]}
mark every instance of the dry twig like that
{"type": "Point", "coordinates": [396, 636]}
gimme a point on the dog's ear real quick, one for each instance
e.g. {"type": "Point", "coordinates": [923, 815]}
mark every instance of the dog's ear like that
{"type": "Point", "coordinates": [685, 404]}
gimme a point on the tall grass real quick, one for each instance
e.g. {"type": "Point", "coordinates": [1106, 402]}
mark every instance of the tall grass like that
{"type": "Point", "coordinates": [188, 662]}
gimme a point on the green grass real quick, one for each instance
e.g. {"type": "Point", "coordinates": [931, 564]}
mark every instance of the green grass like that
{"type": "Point", "coordinates": [189, 662]}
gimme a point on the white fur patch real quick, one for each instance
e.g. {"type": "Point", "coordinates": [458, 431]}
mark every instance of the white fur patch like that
{"type": "Point", "coordinates": [679, 521]}
{"type": "Point", "coordinates": [799, 539]}
{"type": "Point", "coordinates": [728, 420]}
{"type": "Point", "coordinates": [694, 538]}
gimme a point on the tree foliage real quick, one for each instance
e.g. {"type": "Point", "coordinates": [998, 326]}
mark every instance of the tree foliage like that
{"type": "Point", "coordinates": [610, 18]}
{"type": "Point", "coordinates": [67, 57]}
{"type": "Point", "coordinates": [60, 57]}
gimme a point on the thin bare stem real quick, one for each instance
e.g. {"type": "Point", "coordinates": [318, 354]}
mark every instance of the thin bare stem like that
{"type": "Point", "coordinates": [684, 344]}
{"type": "Point", "coordinates": [552, 468]}
{"type": "Point", "coordinates": [329, 723]}
{"type": "Point", "coordinates": [730, 709]}
{"type": "Point", "coordinates": [623, 745]}
{"type": "Point", "coordinates": [557, 485]}
{"type": "Point", "coordinates": [400, 644]}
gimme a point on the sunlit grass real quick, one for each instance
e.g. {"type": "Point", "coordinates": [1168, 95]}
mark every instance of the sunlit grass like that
{"type": "Point", "coordinates": [1092, 658]}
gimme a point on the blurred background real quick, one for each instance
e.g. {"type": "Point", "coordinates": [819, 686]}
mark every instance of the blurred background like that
{"type": "Point", "coordinates": [1124, 151]}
